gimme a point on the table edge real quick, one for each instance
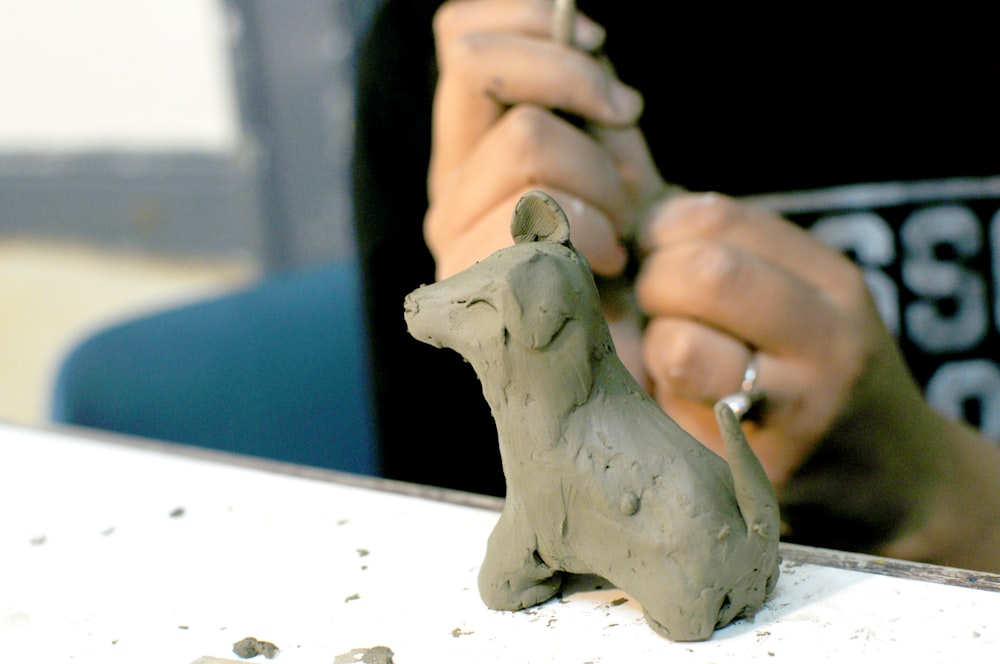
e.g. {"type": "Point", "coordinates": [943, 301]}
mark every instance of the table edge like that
{"type": "Point", "coordinates": [794, 553]}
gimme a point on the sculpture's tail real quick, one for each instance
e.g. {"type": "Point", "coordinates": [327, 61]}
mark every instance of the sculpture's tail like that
{"type": "Point", "coordinates": [754, 493]}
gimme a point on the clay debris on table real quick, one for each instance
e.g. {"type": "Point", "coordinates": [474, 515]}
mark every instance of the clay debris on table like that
{"type": "Point", "coordinates": [376, 655]}
{"type": "Point", "coordinates": [251, 647]}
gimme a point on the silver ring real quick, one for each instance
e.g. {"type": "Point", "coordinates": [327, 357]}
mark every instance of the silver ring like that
{"type": "Point", "coordinates": [749, 397]}
{"type": "Point", "coordinates": [750, 375]}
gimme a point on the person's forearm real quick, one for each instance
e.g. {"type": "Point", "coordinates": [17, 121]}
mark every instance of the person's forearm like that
{"type": "Point", "coordinates": [962, 526]}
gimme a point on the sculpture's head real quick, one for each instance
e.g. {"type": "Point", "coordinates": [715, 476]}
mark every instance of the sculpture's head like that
{"type": "Point", "coordinates": [525, 294]}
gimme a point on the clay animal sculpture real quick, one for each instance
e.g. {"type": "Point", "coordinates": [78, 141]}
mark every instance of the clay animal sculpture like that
{"type": "Point", "coordinates": [599, 479]}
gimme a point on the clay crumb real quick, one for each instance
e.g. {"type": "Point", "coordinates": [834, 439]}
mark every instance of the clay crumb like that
{"type": "Point", "coordinates": [619, 601]}
{"type": "Point", "coordinates": [251, 647]}
{"type": "Point", "coordinates": [363, 552]}
{"type": "Point", "coordinates": [629, 504]}
{"type": "Point", "coordinates": [351, 598]}
{"type": "Point", "coordinates": [376, 655]}
{"type": "Point", "coordinates": [177, 512]}
{"type": "Point", "coordinates": [458, 631]}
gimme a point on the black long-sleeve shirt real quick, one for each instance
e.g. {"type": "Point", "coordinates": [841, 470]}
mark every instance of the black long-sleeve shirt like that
{"type": "Point", "coordinates": [896, 160]}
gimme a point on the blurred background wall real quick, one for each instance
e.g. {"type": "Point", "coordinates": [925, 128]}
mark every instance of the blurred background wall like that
{"type": "Point", "coordinates": [153, 153]}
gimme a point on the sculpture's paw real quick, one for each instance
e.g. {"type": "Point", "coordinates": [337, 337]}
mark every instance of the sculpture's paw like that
{"type": "Point", "coordinates": [686, 632]}
{"type": "Point", "coordinates": [539, 593]}
{"type": "Point", "coordinates": [512, 596]}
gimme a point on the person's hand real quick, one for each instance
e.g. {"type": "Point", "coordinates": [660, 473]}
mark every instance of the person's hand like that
{"type": "Point", "coordinates": [858, 458]}
{"type": "Point", "coordinates": [515, 111]}
{"type": "Point", "coordinates": [495, 135]}
{"type": "Point", "coordinates": [723, 281]}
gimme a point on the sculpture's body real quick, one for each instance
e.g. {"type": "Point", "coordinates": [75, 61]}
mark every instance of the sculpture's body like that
{"type": "Point", "coordinates": [599, 479]}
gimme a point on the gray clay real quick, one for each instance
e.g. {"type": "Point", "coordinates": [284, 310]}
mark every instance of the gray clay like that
{"type": "Point", "coordinates": [376, 655]}
{"type": "Point", "coordinates": [250, 647]}
{"type": "Point", "coordinates": [599, 479]}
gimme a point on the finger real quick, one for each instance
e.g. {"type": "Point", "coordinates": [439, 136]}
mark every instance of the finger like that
{"type": "Point", "coordinates": [713, 216]}
{"type": "Point", "coordinates": [739, 293]}
{"type": "Point", "coordinates": [593, 234]}
{"type": "Point", "coordinates": [530, 148]}
{"type": "Point", "coordinates": [691, 361]}
{"type": "Point", "coordinates": [637, 172]}
{"type": "Point", "coordinates": [484, 74]}
{"type": "Point", "coordinates": [694, 363]}
{"type": "Point", "coordinates": [629, 149]}
{"type": "Point", "coordinates": [461, 250]}
{"type": "Point", "coordinates": [528, 17]}
{"type": "Point", "coordinates": [692, 367]}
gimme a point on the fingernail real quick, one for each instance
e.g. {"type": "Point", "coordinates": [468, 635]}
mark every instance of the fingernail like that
{"type": "Point", "coordinates": [587, 35]}
{"type": "Point", "coordinates": [574, 207]}
{"type": "Point", "coordinates": [626, 101]}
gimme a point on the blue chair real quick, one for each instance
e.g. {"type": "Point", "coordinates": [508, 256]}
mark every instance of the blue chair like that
{"type": "Point", "coordinates": [279, 370]}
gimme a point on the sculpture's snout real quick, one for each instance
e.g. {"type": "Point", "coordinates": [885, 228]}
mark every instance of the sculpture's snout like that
{"type": "Point", "coordinates": [410, 307]}
{"type": "Point", "coordinates": [421, 322]}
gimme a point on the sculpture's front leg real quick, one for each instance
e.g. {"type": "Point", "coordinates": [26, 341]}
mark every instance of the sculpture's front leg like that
{"type": "Point", "coordinates": [513, 575]}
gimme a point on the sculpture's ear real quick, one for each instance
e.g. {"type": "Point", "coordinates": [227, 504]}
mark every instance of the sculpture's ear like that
{"type": "Point", "coordinates": [538, 218]}
{"type": "Point", "coordinates": [538, 307]}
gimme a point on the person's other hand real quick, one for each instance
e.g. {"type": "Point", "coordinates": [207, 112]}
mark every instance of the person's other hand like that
{"type": "Point", "coordinates": [844, 433]}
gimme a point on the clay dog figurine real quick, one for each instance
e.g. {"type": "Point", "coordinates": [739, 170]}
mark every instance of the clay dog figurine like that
{"type": "Point", "coordinates": [599, 479]}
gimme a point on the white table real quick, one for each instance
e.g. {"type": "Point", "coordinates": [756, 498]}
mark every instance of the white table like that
{"type": "Point", "coordinates": [117, 550]}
